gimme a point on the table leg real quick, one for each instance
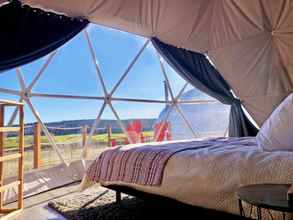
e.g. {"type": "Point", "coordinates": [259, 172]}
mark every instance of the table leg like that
{"type": "Point", "coordinates": [284, 215]}
{"type": "Point", "coordinates": [118, 197]}
{"type": "Point", "coordinates": [258, 210]}
{"type": "Point", "coordinates": [241, 210]}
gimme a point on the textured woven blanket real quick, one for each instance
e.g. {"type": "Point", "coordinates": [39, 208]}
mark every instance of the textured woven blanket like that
{"type": "Point", "coordinates": [143, 165]}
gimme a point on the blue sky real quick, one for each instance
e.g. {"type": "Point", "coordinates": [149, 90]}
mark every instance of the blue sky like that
{"type": "Point", "coordinates": [72, 72]}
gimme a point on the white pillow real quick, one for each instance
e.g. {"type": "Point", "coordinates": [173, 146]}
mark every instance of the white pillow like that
{"type": "Point", "coordinates": [276, 134]}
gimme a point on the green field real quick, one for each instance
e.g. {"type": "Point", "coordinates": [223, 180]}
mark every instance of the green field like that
{"type": "Point", "coordinates": [12, 142]}
{"type": "Point", "coordinates": [70, 152]}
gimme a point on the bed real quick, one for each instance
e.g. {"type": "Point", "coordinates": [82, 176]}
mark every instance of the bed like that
{"type": "Point", "coordinates": [208, 176]}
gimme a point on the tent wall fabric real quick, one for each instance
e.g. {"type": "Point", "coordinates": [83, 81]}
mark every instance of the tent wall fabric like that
{"type": "Point", "coordinates": [250, 42]}
{"type": "Point", "coordinates": [28, 34]}
{"type": "Point", "coordinates": [197, 70]}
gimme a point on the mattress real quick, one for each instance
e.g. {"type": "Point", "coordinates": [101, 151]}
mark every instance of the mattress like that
{"type": "Point", "coordinates": [209, 177]}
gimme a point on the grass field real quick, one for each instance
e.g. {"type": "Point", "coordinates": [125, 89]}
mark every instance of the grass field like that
{"type": "Point", "coordinates": [12, 142]}
{"type": "Point", "coordinates": [71, 149]}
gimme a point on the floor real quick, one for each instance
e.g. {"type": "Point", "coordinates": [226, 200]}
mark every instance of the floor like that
{"type": "Point", "coordinates": [36, 206]}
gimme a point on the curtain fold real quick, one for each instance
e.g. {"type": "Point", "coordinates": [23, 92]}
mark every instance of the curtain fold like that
{"type": "Point", "coordinates": [28, 34]}
{"type": "Point", "coordinates": [196, 69]}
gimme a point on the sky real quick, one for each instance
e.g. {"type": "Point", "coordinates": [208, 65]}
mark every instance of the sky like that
{"type": "Point", "coordinates": [72, 72]}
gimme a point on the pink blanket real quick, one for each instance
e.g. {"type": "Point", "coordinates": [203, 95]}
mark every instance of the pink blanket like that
{"type": "Point", "coordinates": [145, 164]}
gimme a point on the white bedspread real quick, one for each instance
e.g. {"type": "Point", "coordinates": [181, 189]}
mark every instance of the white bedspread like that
{"type": "Point", "coordinates": [209, 177]}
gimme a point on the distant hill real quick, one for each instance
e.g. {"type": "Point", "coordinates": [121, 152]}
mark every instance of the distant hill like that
{"type": "Point", "coordinates": [103, 124]}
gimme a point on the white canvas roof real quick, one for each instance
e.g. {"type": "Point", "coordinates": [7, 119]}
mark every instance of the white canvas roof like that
{"type": "Point", "coordinates": [249, 41]}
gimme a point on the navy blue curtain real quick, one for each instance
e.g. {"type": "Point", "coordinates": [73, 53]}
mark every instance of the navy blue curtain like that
{"type": "Point", "coordinates": [28, 34]}
{"type": "Point", "coordinates": [196, 69]}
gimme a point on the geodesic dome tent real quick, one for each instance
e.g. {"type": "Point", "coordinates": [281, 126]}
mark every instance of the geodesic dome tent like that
{"type": "Point", "coordinates": [208, 119]}
{"type": "Point", "coordinates": [248, 42]}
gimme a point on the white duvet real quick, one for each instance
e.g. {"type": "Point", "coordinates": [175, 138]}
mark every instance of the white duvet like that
{"type": "Point", "coordinates": [209, 177]}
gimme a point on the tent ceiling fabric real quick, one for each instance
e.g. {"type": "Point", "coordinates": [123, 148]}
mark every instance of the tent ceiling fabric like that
{"type": "Point", "coordinates": [249, 41]}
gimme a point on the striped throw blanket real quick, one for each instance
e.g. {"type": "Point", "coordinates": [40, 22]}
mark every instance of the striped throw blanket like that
{"type": "Point", "coordinates": [143, 165]}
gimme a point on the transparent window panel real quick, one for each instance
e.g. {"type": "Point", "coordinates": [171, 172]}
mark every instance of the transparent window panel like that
{"type": "Point", "coordinates": [142, 101]}
{"type": "Point", "coordinates": [138, 121]}
{"type": "Point", "coordinates": [71, 71]}
{"type": "Point", "coordinates": [208, 117]}
{"type": "Point", "coordinates": [106, 128]}
{"type": "Point", "coordinates": [66, 109]}
{"type": "Point", "coordinates": [67, 130]}
{"type": "Point", "coordinates": [114, 50]}
{"type": "Point", "coordinates": [69, 145]}
{"type": "Point", "coordinates": [207, 120]}
{"type": "Point", "coordinates": [8, 80]}
{"type": "Point", "coordinates": [175, 80]}
{"type": "Point", "coordinates": [145, 79]}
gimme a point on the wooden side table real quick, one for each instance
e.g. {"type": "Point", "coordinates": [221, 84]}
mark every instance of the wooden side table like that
{"type": "Point", "coordinates": [265, 196]}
